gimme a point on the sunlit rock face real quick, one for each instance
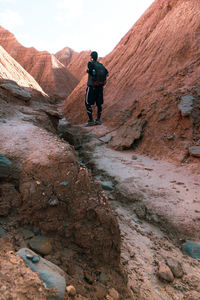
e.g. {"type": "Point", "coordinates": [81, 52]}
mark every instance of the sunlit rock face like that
{"type": "Point", "coordinates": [75, 62]}
{"type": "Point", "coordinates": [12, 73]}
{"type": "Point", "coordinates": [153, 66]}
{"type": "Point", "coordinates": [53, 77]}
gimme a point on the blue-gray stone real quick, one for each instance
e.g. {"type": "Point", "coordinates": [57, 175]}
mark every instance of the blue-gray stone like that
{"type": "Point", "coordinates": [191, 249]}
{"type": "Point", "coordinates": [3, 233]}
{"type": "Point", "coordinates": [107, 186]}
{"type": "Point", "coordinates": [64, 183]}
{"type": "Point", "coordinates": [186, 105]}
{"type": "Point", "coordinates": [194, 151]}
{"type": "Point", "coordinates": [35, 259]}
{"type": "Point", "coordinates": [49, 273]}
{"type": "Point", "coordinates": [5, 165]}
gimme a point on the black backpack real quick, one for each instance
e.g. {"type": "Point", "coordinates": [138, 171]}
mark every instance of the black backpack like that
{"type": "Point", "coordinates": [99, 74]}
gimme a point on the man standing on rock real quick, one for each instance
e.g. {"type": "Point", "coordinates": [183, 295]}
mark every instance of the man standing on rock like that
{"type": "Point", "coordinates": [97, 74]}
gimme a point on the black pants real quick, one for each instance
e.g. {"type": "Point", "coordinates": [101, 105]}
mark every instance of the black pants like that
{"type": "Point", "coordinates": [94, 95]}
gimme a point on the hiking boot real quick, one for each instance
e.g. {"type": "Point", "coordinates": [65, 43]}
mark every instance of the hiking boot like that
{"type": "Point", "coordinates": [90, 123]}
{"type": "Point", "coordinates": [98, 122]}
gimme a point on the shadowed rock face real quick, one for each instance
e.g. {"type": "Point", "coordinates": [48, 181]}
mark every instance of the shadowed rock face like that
{"type": "Point", "coordinates": [75, 62]}
{"type": "Point", "coordinates": [53, 77]}
{"type": "Point", "coordinates": [152, 67]}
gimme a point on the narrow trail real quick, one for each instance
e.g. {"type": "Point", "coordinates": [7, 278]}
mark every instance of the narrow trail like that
{"type": "Point", "coordinates": [157, 207]}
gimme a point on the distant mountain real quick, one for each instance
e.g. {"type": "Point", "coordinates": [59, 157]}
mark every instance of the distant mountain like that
{"type": "Point", "coordinates": [153, 66]}
{"type": "Point", "coordinates": [52, 76]}
{"type": "Point", "coordinates": [75, 62]}
{"type": "Point", "coordinates": [12, 71]}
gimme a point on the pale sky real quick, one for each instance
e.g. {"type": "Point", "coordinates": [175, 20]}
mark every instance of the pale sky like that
{"type": "Point", "coordinates": [79, 24]}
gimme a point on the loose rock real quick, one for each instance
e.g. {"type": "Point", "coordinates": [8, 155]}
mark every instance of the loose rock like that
{"type": "Point", "coordinates": [175, 267]}
{"type": "Point", "coordinates": [186, 105]}
{"type": "Point", "coordinates": [194, 151]}
{"type": "Point", "coordinates": [41, 244]}
{"type": "Point", "coordinates": [165, 273]}
{"type": "Point", "coordinates": [114, 294]}
{"type": "Point", "coordinates": [71, 291]}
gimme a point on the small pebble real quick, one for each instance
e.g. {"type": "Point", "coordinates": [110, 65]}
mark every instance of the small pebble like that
{"type": "Point", "coordinates": [29, 256]}
{"type": "Point", "coordinates": [71, 291]}
{"type": "Point", "coordinates": [35, 259]}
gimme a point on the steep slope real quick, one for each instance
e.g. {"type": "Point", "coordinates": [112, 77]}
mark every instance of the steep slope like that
{"type": "Point", "coordinates": [43, 66]}
{"type": "Point", "coordinates": [75, 62]}
{"type": "Point", "coordinates": [152, 67]}
{"type": "Point", "coordinates": [10, 70]}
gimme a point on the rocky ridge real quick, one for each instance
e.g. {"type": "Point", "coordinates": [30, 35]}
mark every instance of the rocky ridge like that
{"type": "Point", "coordinates": [51, 75]}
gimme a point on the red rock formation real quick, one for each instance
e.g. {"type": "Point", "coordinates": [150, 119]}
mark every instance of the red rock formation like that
{"type": "Point", "coordinates": [75, 62]}
{"type": "Point", "coordinates": [153, 65]}
{"type": "Point", "coordinates": [43, 66]}
{"type": "Point", "coordinates": [10, 70]}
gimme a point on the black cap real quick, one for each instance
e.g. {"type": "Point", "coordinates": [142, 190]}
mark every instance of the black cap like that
{"type": "Point", "coordinates": [94, 55]}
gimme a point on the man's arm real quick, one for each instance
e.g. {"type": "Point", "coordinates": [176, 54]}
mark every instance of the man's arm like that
{"type": "Point", "coordinates": [90, 68]}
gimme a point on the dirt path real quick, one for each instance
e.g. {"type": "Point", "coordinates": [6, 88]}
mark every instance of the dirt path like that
{"type": "Point", "coordinates": [157, 206]}
{"type": "Point", "coordinates": [170, 192]}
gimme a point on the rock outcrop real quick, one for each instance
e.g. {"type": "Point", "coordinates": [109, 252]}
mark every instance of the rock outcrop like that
{"type": "Point", "coordinates": [52, 76]}
{"type": "Point", "coordinates": [75, 62]}
{"type": "Point", "coordinates": [152, 67]}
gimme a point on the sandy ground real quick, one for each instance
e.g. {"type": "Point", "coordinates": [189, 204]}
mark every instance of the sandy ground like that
{"type": "Point", "coordinates": [172, 192]}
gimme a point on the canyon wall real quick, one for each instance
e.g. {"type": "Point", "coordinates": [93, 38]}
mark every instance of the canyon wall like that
{"type": "Point", "coordinates": [152, 68]}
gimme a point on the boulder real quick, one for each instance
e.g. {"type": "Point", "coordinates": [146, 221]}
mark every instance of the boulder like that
{"type": "Point", "coordinates": [49, 273]}
{"type": "Point", "coordinates": [127, 135]}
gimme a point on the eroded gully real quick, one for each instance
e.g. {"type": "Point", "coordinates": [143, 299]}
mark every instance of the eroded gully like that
{"type": "Point", "coordinates": [156, 205]}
